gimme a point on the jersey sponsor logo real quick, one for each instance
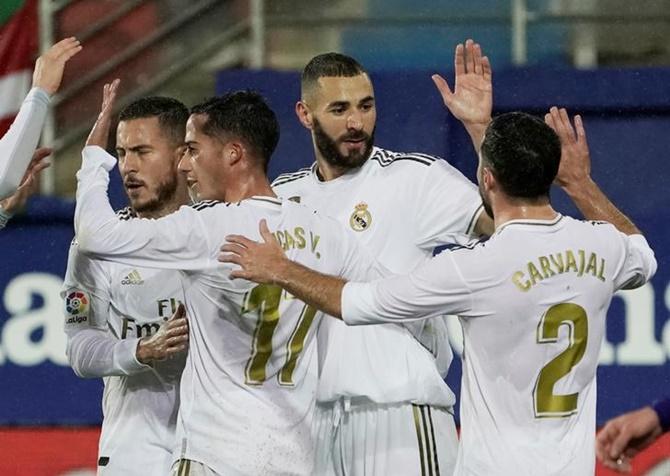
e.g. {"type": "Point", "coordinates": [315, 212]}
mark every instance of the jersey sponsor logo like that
{"type": "Point", "coordinates": [295, 199]}
{"type": "Point", "coordinates": [133, 278]}
{"type": "Point", "coordinates": [361, 219]}
{"type": "Point", "coordinates": [133, 328]}
{"type": "Point", "coordinates": [76, 307]}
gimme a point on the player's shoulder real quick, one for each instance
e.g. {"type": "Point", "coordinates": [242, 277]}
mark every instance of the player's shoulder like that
{"type": "Point", "coordinates": [292, 179]}
{"type": "Point", "coordinates": [475, 247]}
{"type": "Point", "coordinates": [596, 227]}
{"type": "Point", "coordinates": [126, 213]}
{"type": "Point", "coordinates": [388, 160]}
{"type": "Point", "coordinates": [204, 205]}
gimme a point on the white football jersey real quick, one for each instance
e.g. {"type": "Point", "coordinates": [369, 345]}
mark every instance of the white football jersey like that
{"type": "Point", "coordinates": [533, 301]}
{"type": "Point", "coordinates": [108, 308]}
{"type": "Point", "coordinates": [248, 389]}
{"type": "Point", "coordinates": [400, 206]}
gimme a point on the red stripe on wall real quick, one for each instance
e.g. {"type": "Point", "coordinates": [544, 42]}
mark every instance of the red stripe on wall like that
{"type": "Point", "coordinates": [47, 451]}
{"type": "Point", "coordinates": [18, 39]}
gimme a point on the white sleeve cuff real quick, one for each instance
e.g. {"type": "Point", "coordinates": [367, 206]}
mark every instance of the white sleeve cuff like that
{"type": "Point", "coordinates": [39, 95]}
{"type": "Point", "coordinates": [125, 355]}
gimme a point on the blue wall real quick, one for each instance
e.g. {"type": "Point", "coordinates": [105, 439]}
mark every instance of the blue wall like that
{"type": "Point", "coordinates": [627, 116]}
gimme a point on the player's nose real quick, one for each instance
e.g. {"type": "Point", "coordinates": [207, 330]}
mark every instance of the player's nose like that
{"type": "Point", "coordinates": [184, 165]}
{"type": "Point", "coordinates": [354, 122]}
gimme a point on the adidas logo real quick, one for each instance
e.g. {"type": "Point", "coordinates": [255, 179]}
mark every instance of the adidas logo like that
{"type": "Point", "coordinates": [133, 278]}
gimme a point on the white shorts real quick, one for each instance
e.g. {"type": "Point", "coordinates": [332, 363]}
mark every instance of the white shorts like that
{"type": "Point", "coordinates": [382, 440]}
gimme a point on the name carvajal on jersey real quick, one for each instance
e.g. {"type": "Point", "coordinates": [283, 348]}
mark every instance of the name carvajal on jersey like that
{"type": "Point", "coordinates": [544, 267]}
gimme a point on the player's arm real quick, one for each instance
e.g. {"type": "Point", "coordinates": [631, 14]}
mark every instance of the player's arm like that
{"type": "Point", "coordinates": [626, 435]}
{"type": "Point", "coordinates": [15, 202]}
{"type": "Point", "coordinates": [574, 173]}
{"type": "Point", "coordinates": [18, 144]}
{"type": "Point", "coordinates": [471, 102]}
{"type": "Point", "coordinates": [574, 176]}
{"type": "Point", "coordinates": [92, 351]}
{"type": "Point", "coordinates": [177, 241]}
{"type": "Point", "coordinates": [433, 289]}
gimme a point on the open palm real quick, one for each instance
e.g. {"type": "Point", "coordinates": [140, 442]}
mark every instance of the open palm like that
{"type": "Point", "coordinates": [471, 102]}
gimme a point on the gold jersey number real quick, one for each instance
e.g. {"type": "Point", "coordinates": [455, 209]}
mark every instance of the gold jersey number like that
{"type": "Point", "coordinates": [547, 404]}
{"type": "Point", "coordinates": [264, 299]}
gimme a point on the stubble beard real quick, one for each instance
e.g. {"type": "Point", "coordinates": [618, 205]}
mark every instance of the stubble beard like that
{"type": "Point", "coordinates": [164, 194]}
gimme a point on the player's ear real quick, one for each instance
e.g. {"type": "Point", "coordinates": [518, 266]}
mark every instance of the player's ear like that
{"type": "Point", "coordinates": [234, 152]}
{"type": "Point", "coordinates": [488, 178]}
{"type": "Point", "coordinates": [304, 114]}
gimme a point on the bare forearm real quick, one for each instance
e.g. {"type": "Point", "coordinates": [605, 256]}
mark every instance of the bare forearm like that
{"type": "Point", "coordinates": [318, 290]}
{"type": "Point", "coordinates": [595, 205]}
{"type": "Point", "coordinates": [476, 132]}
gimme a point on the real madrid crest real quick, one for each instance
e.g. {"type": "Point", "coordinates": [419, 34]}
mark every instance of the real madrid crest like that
{"type": "Point", "coordinates": [361, 219]}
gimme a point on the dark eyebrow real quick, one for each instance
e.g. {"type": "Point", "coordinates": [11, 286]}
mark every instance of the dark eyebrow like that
{"type": "Point", "coordinates": [137, 148]}
{"type": "Point", "coordinates": [339, 104]}
{"type": "Point", "coordinates": [366, 99]}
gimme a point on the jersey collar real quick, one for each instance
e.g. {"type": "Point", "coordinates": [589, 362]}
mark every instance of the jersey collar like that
{"type": "Point", "coordinates": [526, 222]}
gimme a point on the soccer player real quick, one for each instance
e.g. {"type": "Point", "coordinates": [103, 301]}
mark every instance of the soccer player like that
{"type": "Point", "coordinates": [626, 435]}
{"type": "Point", "coordinates": [532, 300]}
{"type": "Point", "coordinates": [18, 145]}
{"type": "Point", "coordinates": [248, 388]}
{"type": "Point", "coordinates": [125, 323]}
{"type": "Point", "coordinates": [383, 406]}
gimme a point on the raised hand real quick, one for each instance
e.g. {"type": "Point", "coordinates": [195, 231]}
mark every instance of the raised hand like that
{"type": "Point", "coordinates": [49, 67]}
{"type": "Point", "coordinates": [575, 165]}
{"type": "Point", "coordinates": [261, 262]}
{"type": "Point", "coordinates": [28, 186]}
{"type": "Point", "coordinates": [100, 132]}
{"type": "Point", "coordinates": [171, 339]}
{"type": "Point", "coordinates": [471, 101]}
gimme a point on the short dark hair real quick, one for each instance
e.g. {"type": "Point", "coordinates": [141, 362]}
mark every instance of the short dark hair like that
{"type": "Point", "coordinates": [245, 115]}
{"type": "Point", "coordinates": [523, 153]}
{"type": "Point", "coordinates": [171, 113]}
{"type": "Point", "coordinates": [329, 65]}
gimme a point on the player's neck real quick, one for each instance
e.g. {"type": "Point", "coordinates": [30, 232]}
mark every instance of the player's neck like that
{"type": "Point", "coordinates": [326, 171]}
{"type": "Point", "coordinates": [253, 185]}
{"type": "Point", "coordinates": [503, 213]}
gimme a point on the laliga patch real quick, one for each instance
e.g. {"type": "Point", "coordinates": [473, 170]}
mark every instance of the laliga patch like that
{"type": "Point", "coordinates": [77, 306]}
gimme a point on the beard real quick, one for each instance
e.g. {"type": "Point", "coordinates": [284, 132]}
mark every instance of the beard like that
{"type": "Point", "coordinates": [328, 147]}
{"type": "Point", "coordinates": [163, 193]}
{"type": "Point", "coordinates": [487, 205]}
